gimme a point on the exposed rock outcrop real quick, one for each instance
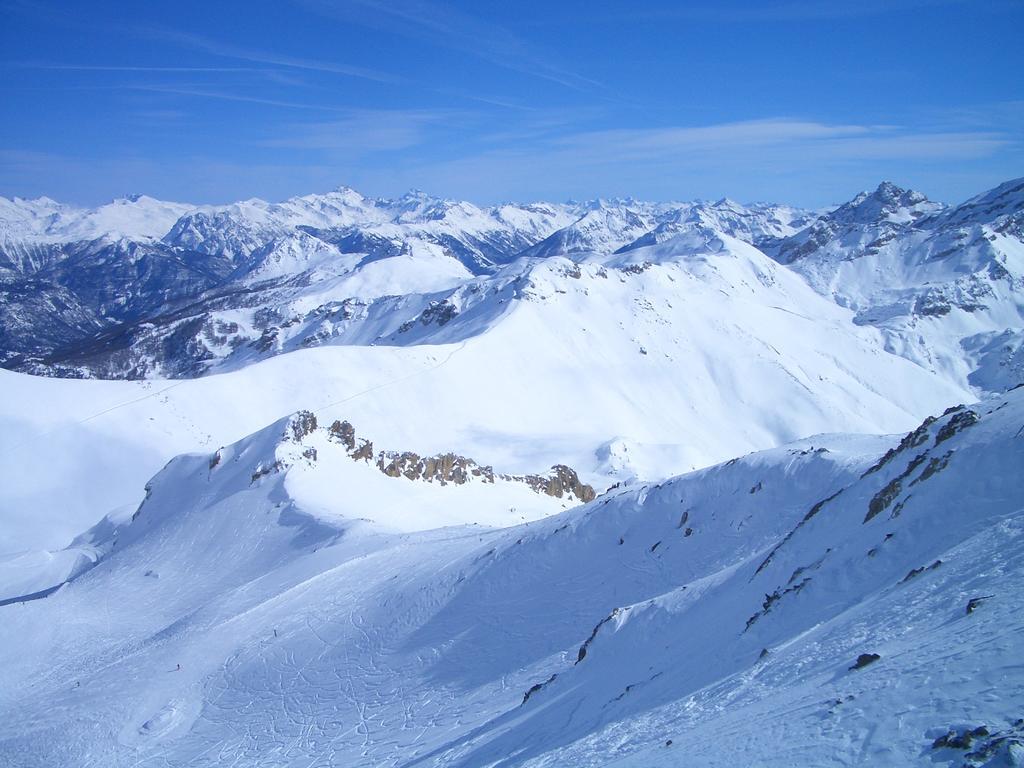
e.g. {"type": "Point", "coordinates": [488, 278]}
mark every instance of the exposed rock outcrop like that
{"type": "Point", "coordinates": [444, 468]}
{"type": "Point", "coordinates": [560, 482]}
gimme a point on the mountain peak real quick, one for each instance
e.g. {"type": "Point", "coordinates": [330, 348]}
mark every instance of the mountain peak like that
{"type": "Point", "coordinates": [607, 203]}
{"type": "Point", "coordinates": [888, 202]}
{"type": "Point", "coordinates": [896, 195]}
{"type": "Point", "coordinates": [888, 189]}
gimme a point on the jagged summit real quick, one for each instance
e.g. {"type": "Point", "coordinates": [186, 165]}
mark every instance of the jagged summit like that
{"type": "Point", "coordinates": [604, 203]}
{"type": "Point", "coordinates": [869, 218]}
{"type": "Point", "coordinates": [888, 203]}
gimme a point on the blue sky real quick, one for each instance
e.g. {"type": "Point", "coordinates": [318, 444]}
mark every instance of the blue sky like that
{"type": "Point", "coordinates": [795, 101]}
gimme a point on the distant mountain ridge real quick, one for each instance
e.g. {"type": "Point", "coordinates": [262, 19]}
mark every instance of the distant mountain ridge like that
{"type": "Point", "coordinates": [139, 287]}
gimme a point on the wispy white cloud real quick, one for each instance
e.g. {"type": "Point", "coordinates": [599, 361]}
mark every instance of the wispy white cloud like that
{"type": "Point", "coordinates": [415, 18]}
{"type": "Point", "coordinates": [804, 161]}
{"type": "Point", "coordinates": [452, 28]}
{"type": "Point", "coordinates": [222, 95]}
{"type": "Point", "coordinates": [819, 139]}
{"type": "Point", "coordinates": [42, 65]}
{"type": "Point", "coordinates": [205, 44]}
{"type": "Point", "coordinates": [792, 160]}
{"type": "Point", "coordinates": [644, 142]}
{"type": "Point", "coordinates": [793, 10]}
{"type": "Point", "coordinates": [242, 53]}
{"type": "Point", "coordinates": [362, 131]}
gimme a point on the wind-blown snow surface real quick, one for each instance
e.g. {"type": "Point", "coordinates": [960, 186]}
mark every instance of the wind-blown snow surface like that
{"type": "Point", "coordinates": [709, 619]}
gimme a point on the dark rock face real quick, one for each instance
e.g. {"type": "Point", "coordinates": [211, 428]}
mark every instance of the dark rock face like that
{"type": "Point", "coordinates": [959, 422]}
{"type": "Point", "coordinates": [443, 468]}
{"type": "Point", "coordinates": [538, 687]}
{"type": "Point", "coordinates": [569, 481]}
{"type": "Point", "coordinates": [864, 660]}
{"type": "Point", "coordinates": [302, 423]}
{"type": "Point", "coordinates": [344, 433]}
{"type": "Point", "coordinates": [881, 500]}
{"type": "Point", "coordinates": [582, 653]}
{"type": "Point", "coordinates": [562, 481]}
{"type": "Point", "coordinates": [935, 465]}
{"type": "Point", "coordinates": [439, 312]}
{"type": "Point", "coordinates": [959, 738]}
{"type": "Point", "coordinates": [770, 600]}
{"type": "Point", "coordinates": [914, 572]}
{"type": "Point", "coordinates": [266, 469]}
{"type": "Point", "coordinates": [911, 440]}
{"type": "Point", "coordinates": [975, 602]}
{"type": "Point", "coordinates": [960, 418]}
{"type": "Point", "coordinates": [982, 745]}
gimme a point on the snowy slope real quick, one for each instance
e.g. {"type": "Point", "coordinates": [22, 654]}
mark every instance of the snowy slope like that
{"type": "Point", "coordinates": [451, 594]}
{"type": "Point", "coordinates": [755, 654]}
{"type": "Point", "coordinates": [661, 358]}
{"type": "Point", "coordinates": [642, 364]}
{"type": "Point", "coordinates": [245, 616]}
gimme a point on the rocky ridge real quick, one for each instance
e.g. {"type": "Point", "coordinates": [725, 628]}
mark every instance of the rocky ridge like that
{"type": "Point", "coordinates": [560, 482]}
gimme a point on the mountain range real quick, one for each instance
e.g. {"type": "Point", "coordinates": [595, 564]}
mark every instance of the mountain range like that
{"type": "Point", "coordinates": [413, 482]}
{"type": "Point", "coordinates": [141, 287]}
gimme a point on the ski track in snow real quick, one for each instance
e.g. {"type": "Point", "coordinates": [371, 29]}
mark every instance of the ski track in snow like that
{"type": "Point", "coordinates": [367, 648]}
{"type": "Point", "coordinates": [382, 385]}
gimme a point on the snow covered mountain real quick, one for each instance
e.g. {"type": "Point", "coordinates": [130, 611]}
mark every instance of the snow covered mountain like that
{"type": "Point", "coordinates": [703, 348]}
{"type": "Point", "coordinates": [944, 285]}
{"type": "Point", "coordinates": [682, 347]}
{"type": "Point", "coordinates": [217, 287]}
{"type": "Point", "coordinates": [136, 217]}
{"type": "Point", "coordinates": [753, 224]}
{"type": "Point", "coordinates": [224, 256]}
{"type": "Point", "coordinates": [489, 522]}
{"type": "Point", "coordinates": [282, 601]}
